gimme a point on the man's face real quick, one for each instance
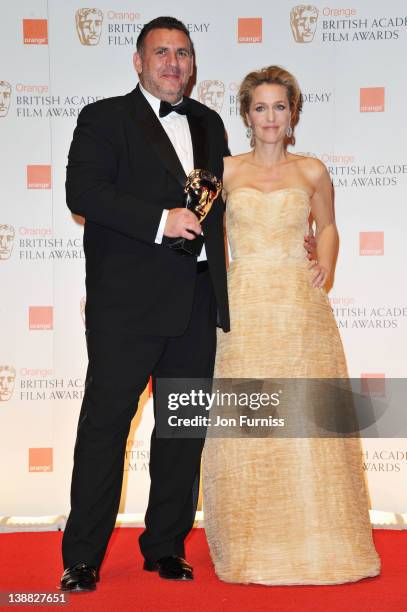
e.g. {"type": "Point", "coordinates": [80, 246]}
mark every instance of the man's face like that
{"type": "Point", "coordinates": [90, 26]}
{"type": "Point", "coordinates": [304, 25]}
{"type": "Point", "coordinates": [6, 241]}
{"type": "Point", "coordinates": [7, 378]}
{"type": "Point", "coordinates": [165, 64]}
{"type": "Point", "coordinates": [5, 96]}
{"type": "Point", "coordinates": [213, 95]}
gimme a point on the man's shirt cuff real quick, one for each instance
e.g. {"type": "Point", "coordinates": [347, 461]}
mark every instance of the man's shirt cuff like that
{"type": "Point", "coordinates": [160, 231]}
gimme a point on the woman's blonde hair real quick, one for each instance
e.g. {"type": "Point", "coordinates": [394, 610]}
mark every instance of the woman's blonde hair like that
{"type": "Point", "coordinates": [272, 75]}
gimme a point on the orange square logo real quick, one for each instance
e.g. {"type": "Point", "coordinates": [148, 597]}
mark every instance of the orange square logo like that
{"type": "Point", "coordinates": [40, 459]}
{"type": "Point", "coordinates": [371, 243]}
{"type": "Point", "coordinates": [250, 30]}
{"type": "Point", "coordinates": [38, 177]}
{"type": "Point", "coordinates": [35, 31]}
{"type": "Point", "coordinates": [372, 99]}
{"type": "Point", "coordinates": [41, 317]}
{"type": "Point", "coordinates": [373, 385]}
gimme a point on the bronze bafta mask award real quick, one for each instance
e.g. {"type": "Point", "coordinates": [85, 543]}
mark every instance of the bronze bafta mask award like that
{"type": "Point", "coordinates": [201, 190]}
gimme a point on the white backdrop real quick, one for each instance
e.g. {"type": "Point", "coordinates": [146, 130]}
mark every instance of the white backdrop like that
{"type": "Point", "coordinates": [349, 63]}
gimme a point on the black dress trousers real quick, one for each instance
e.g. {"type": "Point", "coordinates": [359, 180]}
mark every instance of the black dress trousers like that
{"type": "Point", "coordinates": [119, 368]}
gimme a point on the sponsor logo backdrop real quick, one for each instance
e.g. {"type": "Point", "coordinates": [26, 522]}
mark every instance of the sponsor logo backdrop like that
{"type": "Point", "coordinates": [57, 57]}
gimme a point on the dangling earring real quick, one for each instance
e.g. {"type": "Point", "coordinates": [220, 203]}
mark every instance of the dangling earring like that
{"type": "Point", "coordinates": [249, 134]}
{"type": "Point", "coordinates": [289, 131]}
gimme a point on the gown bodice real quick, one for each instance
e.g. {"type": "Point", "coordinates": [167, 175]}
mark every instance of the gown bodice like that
{"type": "Point", "coordinates": [268, 225]}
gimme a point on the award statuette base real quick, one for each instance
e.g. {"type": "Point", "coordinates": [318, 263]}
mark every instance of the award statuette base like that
{"type": "Point", "coordinates": [184, 246]}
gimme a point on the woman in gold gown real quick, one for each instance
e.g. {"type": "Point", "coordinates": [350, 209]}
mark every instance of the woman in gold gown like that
{"type": "Point", "coordinates": [294, 510]}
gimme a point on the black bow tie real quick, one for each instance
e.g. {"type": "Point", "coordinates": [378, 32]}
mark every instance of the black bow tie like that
{"type": "Point", "coordinates": [166, 108]}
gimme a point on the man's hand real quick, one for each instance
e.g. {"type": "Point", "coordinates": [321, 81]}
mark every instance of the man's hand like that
{"type": "Point", "coordinates": [310, 245]}
{"type": "Point", "coordinates": [182, 223]}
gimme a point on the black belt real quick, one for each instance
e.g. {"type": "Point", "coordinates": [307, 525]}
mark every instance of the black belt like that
{"type": "Point", "coordinates": [201, 266]}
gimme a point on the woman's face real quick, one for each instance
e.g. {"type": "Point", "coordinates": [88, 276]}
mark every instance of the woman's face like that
{"type": "Point", "coordinates": [269, 113]}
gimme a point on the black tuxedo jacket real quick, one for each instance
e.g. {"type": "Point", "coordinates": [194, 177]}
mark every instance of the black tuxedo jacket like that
{"type": "Point", "coordinates": [122, 172]}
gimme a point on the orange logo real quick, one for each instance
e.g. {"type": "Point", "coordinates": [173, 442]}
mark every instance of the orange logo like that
{"type": "Point", "coordinates": [6, 241]}
{"type": "Point", "coordinates": [35, 31]}
{"type": "Point", "coordinates": [7, 380]}
{"type": "Point", "coordinates": [5, 97]}
{"type": "Point", "coordinates": [212, 93]}
{"type": "Point", "coordinates": [38, 177]}
{"type": "Point", "coordinates": [371, 243]}
{"type": "Point", "coordinates": [89, 25]}
{"type": "Point", "coordinates": [303, 22]}
{"type": "Point", "coordinates": [371, 99]}
{"type": "Point", "coordinates": [40, 459]}
{"type": "Point", "coordinates": [249, 30]}
{"type": "Point", "coordinates": [373, 385]}
{"type": "Point", "coordinates": [41, 317]}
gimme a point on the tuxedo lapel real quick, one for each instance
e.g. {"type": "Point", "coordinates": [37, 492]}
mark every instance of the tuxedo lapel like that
{"type": "Point", "coordinates": [154, 134]}
{"type": "Point", "coordinates": [199, 142]}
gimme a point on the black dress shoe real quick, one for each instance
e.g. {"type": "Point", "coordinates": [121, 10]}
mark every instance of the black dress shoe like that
{"type": "Point", "coordinates": [79, 577]}
{"type": "Point", "coordinates": [170, 568]}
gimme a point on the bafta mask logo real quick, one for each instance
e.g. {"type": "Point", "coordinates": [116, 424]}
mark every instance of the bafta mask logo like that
{"type": "Point", "coordinates": [212, 94]}
{"type": "Point", "coordinates": [6, 241]}
{"type": "Point", "coordinates": [82, 305]}
{"type": "Point", "coordinates": [5, 98]}
{"type": "Point", "coordinates": [303, 21]}
{"type": "Point", "coordinates": [7, 380]}
{"type": "Point", "coordinates": [307, 154]}
{"type": "Point", "coordinates": [89, 25]}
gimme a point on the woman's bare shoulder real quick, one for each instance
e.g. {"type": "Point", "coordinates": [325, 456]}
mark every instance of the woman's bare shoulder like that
{"type": "Point", "coordinates": [232, 161]}
{"type": "Point", "coordinates": [312, 164]}
{"type": "Point", "coordinates": [232, 169]}
{"type": "Point", "coordinates": [312, 168]}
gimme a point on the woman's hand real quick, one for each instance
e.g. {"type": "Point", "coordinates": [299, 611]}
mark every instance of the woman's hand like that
{"type": "Point", "coordinates": [321, 274]}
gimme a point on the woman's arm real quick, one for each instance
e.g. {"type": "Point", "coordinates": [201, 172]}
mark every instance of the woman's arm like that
{"type": "Point", "coordinates": [326, 232]}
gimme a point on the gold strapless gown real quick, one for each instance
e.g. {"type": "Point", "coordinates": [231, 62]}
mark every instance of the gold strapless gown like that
{"type": "Point", "coordinates": [282, 511]}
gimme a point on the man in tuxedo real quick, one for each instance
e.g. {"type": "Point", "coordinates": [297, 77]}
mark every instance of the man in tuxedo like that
{"type": "Point", "coordinates": [149, 310]}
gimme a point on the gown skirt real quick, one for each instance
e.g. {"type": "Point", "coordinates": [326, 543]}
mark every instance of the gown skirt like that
{"type": "Point", "coordinates": [281, 511]}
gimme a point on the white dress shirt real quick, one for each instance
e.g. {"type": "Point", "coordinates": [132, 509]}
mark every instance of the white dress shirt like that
{"type": "Point", "coordinates": [177, 129]}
